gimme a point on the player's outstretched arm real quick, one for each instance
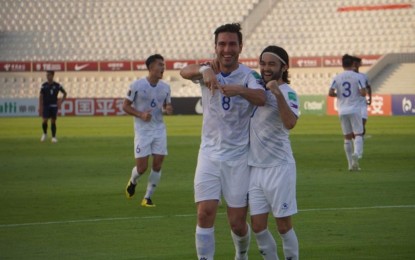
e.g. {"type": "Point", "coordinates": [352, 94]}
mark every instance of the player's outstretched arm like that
{"type": "Point", "coordinates": [254, 96]}
{"type": "Point", "coordinates": [191, 72]}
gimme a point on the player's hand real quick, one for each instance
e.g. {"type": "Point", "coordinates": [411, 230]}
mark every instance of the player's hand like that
{"type": "Point", "coordinates": [214, 65]}
{"type": "Point", "coordinates": [40, 111]}
{"type": "Point", "coordinates": [146, 116]}
{"type": "Point", "coordinates": [169, 109]}
{"type": "Point", "coordinates": [231, 90]}
{"type": "Point", "coordinates": [209, 78]}
{"type": "Point", "coordinates": [273, 86]}
{"type": "Point", "coordinates": [369, 101]}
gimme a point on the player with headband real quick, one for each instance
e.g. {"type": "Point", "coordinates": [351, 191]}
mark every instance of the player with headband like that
{"type": "Point", "coordinates": [272, 185]}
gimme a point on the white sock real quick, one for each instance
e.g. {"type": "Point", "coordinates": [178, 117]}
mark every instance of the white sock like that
{"type": "Point", "coordinates": [205, 243]}
{"type": "Point", "coordinates": [358, 146]}
{"type": "Point", "coordinates": [242, 244]}
{"type": "Point", "coordinates": [290, 245]}
{"type": "Point", "coordinates": [134, 176]}
{"type": "Point", "coordinates": [349, 150]}
{"type": "Point", "coordinates": [153, 181]}
{"type": "Point", "coordinates": [266, 245]}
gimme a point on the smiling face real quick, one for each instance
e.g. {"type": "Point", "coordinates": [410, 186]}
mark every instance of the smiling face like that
{"type": "Point", "coordinates": [271, 67]}
{"type": "Point", "coordinates": [227, 49]}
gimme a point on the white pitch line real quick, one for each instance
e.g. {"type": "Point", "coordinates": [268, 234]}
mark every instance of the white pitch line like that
{"type": "Point", "coordinates": [183, 215]}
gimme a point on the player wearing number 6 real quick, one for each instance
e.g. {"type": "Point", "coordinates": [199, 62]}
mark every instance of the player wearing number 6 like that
{"type": "Point", "coordinates": [230, 91]}
{"type": "Point", "coordinates": [146, 99]}
{"type": "Point", "coordinates": [349, 89]}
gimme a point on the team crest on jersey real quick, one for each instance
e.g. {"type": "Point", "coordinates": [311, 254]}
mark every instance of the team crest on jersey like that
{"type": "Point", "coordinates": [258, 78]}
{"type": "Point", "coordinates": [292, 96]}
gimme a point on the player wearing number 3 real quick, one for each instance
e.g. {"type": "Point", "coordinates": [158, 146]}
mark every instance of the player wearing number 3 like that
{"type": "Point", "coordinates": [349, 89]}
{"type": "Point", "coordinates": [146, 99]}
{"type": "Point", "coordinates": [228, 98]}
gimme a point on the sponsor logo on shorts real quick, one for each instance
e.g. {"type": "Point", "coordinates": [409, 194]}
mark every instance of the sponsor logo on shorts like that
{"type": "Point", "coordinates": [284, 206]}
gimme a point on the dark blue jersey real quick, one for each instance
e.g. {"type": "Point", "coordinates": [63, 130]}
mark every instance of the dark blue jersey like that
{"type": "Point", "coordinates": [50, 93]}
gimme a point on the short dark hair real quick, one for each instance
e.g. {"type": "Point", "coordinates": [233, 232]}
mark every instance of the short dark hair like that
{"type": "Point", "coordinates": [152, 59]}
{"type": "Point", "coordinates": [51, 72]}
{"type": "Point", "coordinates": [231, 28]}
{"type": "Point", "coordinates": [357, 59]}
{"type": "Point", "coordinates": [283, 55]}
{"type": "Point", "coordinates": [347, 61]}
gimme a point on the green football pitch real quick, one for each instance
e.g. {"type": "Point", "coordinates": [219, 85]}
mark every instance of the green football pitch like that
{"type": "Point", "coordinates": [67, 201]}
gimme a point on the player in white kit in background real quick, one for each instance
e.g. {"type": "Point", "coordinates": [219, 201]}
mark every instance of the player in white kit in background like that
{"type": "Point", "coordinates": [349, 91]}
{"type": "Point", "coordinates": [357, 62]}
{"type": "Point", "coordinates": [228, 98]}
{"type": "Point", "coordinates": [273, 170]}
{"type": "Point", "coordinates": [146, 99]}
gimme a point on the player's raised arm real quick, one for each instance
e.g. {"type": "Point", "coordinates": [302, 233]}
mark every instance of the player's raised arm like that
{"type": "Point", "coordinates": [200, 72]}
{"type": "Point", "coordinates": [288, 118]}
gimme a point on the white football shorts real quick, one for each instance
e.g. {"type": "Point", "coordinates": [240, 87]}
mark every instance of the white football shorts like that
{"type": "Point", "coordinates": [150, 142]}
{"type": "Point", "coordinates": [273, 189]}
{"type": "Point", "coordinates": [364, 111]}
{"type": "Point", "coordinates": [351, 123]}
{"type": "Point", "coordinates": [214, 178]}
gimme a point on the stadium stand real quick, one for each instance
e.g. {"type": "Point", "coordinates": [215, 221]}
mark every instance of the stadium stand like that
{"type": "Point", "coordinates": [107, 30]}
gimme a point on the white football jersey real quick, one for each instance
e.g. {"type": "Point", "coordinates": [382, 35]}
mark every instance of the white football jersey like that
{"type": "Point", "coordinates": [347, 85]}
{"type": "Point", "coordinates": [365, 81]}
{"type": "Point", "coordinates": [225, 132]}
{"type": "Point", "coordinates": [269, 139]}
{"type": "Point", "coordinates": [146, 97]}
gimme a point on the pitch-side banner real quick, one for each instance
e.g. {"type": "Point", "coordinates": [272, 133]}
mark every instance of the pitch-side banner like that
{"type": "Point", "coordinates": [403, 105]}
{"type": "Point", "coordinates": [18, 107]}
{"type": "Point", "coordinates": [381, 106]}
{"type": "Point", "coordinates": [313, 105]}
{"type": "Point", "coordinates": [82, 66]}
{"type": "Point", "coordinates": [15, 66]}
{"type": "Point", "coordinates": [49, 65]}
{"type": "Point", "coordinates": [92, 107]}
{"type": "Point", "coordinates": [178, 64]}
{"type": "Point", "coordinates": [115, 65]}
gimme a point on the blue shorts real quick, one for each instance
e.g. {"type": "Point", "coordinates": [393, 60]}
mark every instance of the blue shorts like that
{"type": "Point", "coordinates": [50, 112]}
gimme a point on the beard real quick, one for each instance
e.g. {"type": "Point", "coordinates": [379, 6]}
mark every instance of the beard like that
{"type": "Point", "coordinates": [275, 76]}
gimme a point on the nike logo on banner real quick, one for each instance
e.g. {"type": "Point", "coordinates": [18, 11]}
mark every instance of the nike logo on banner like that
{"type": "Point", "coordinates": [81, 67]}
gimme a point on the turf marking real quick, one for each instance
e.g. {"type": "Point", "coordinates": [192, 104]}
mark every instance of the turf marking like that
{"type": "Point", "coordinates": [185, 215]}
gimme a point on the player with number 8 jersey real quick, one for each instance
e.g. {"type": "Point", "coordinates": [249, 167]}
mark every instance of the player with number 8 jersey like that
{"type": "Point", "coordinates": [230, 91]}
{"type": "Point", "coordinates": [225, 133]}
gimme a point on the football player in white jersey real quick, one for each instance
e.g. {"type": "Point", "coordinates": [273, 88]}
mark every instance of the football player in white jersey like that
{"type": "Point", "coordinates": [229, 96]}
{"type": "Point", "coordinates": [349, 91]}
{"type": "Point", "coordinates": [146, 99]}
{"type": "Point", "coordinates": [273, 170]}
{"type": "Point", "coordinates": [357, 62]}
